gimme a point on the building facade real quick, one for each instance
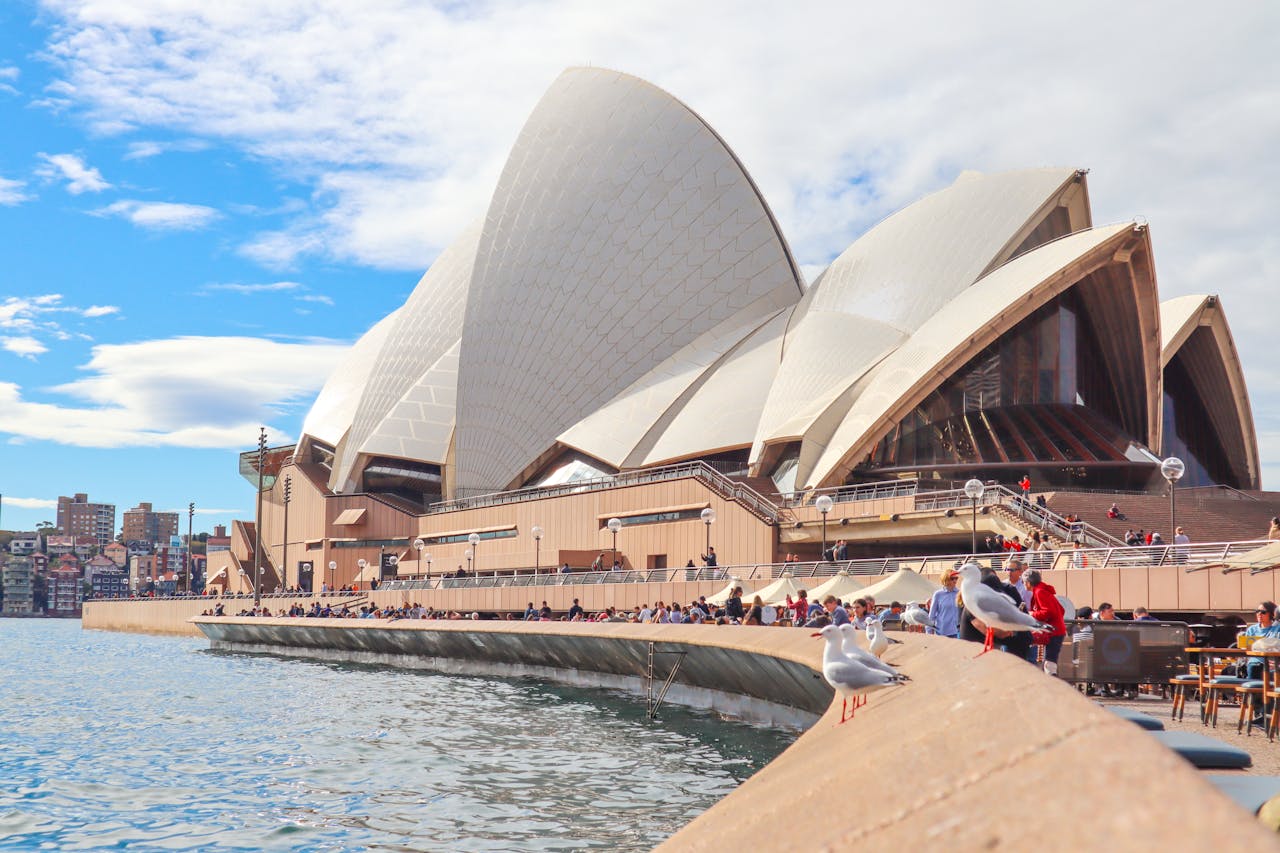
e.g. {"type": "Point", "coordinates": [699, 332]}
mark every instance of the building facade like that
{"type": "Point", "coordinates": [142, 524]}
{"type": "Point", "coordinates": [77, 516]}
{"type": "Point", "coordinates": [64, 592]}
{"type": "Point", "coordinates": [17, 586]}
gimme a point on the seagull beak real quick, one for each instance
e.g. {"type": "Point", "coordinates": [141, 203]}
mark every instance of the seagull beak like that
{"type": "Point", "coordinates": [815, 634]}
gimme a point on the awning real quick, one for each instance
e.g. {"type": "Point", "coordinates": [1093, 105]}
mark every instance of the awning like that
{"type": "Point", "coordinates": [722, 597]}
{"type": "Point", "coordinates": [844, 586]}
{"type": "Point", "coordinates": [904, 586]}
{"type": "Point", "coordinates": [1257, 560]}
{"type": "Point", "coordinates": [466, 532]}
{"type": "Point", "coordinates": [653, 511]}
{"type": "Point", "coordinates": [352, 515]}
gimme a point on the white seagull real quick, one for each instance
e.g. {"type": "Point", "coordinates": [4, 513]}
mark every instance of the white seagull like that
{"type": "Point", "coordinates": [849, 677]}
{"type": "Point", "coordinates": [918, 616]}
{"type": "Point", "coordinates": [994, 609]}
{"type": "Point", "coordinates": [857, 653]}
{"type": "Point", "coordinates": [877, 642]}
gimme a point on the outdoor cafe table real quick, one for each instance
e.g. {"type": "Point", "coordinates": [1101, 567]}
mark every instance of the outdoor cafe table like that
{"type": "Point", "coordinates": [1207, 654]}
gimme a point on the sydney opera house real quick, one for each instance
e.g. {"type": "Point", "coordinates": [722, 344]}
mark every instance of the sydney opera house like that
{"type": "Point", "coordinates": [627, 335]}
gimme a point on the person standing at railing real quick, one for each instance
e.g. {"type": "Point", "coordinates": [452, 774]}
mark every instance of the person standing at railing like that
{"type": "Point", "coordinates": [1273, 532]}
{"type": "Point", "coordinates": [1180, 538]}
{"type": "Point", "coordinates": [1079, 559]}
{"type": "Point", "coordinates": [709, 558]}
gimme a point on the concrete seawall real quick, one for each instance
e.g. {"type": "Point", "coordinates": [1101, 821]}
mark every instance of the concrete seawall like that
{"type": "Point", "coordinates": [972, 754]}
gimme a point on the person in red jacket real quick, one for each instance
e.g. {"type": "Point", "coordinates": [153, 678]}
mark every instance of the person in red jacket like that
{"type": "Point", "coordinates": [1046, 608]}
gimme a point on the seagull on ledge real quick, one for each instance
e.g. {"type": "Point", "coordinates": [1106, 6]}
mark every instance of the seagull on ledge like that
{"type": "Point", "coordinates": [993, 609]}
{"type": "Point", "coordinates": [857, 653]}
{"type": "Point", "coordinates": [918, 616]}
{"type": "Point", "coordinates": [849, 677]}
{"type": "Point", "coordinates": [877, 642]}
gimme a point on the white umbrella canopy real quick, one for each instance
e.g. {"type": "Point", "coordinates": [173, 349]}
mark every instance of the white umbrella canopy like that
{"type": "Point", "coordinates": [903, 585]}
{"type": "Point", "coordinates": [1257, 560]}
{"type": "Point", "coordinates": [721, 597]}
{"type": "Point", "coordinates": [842, 585]}
{"type": "Point", "coordinates": [777, 592]}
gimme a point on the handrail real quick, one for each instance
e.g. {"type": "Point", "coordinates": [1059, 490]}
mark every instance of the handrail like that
{"type": "Point", "coordinates": [860, 492]}
{"type": "Point", "coordinates": [719, 483]}
{"type": "Point", "coordinates": [996, 495]}
{"type": "Point", "coordinates": [1189, 556]}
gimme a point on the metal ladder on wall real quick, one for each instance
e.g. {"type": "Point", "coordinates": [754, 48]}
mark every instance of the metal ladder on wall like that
{"type": "Point", "coordinates": [652, 701]}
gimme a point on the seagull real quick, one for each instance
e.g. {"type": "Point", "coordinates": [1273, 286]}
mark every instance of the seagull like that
{"type": "Point", "coordinates": [877, 642]}
{"type": "Point", "coordinates": [994, 609]}
{"type": "Point", "coordinates": [857, 653]}
{"type": "Point", "coordinates": [917, 615]}
{"type": "Point", "coordinates": [849, 677]}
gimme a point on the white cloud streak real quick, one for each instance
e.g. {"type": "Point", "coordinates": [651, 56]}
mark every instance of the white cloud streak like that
{"type": "Point", "coordinates": [203, 392]}
{"type": "Point", "coordinates": [100, 310]}
{"type": "Point", "coordinates": [269, 287]}
{"type": "Point", "coordinates": [12, 192]}
{"type": "Point", "coordinates": [161, 215]}
{"type": "Point", "coordinates": [24, 346]}
{"type": "Point", "coordinates": [80, 177]}
{"type": "Point", "coordinates": [30, 503]}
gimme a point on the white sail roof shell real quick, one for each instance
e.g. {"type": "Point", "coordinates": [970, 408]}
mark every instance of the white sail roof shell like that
{"type": "Point", "coordinates": [892, 279]}
{"type": "Point", "coordinates": [427, 326]}
{"type": "Point", "coordinates": [966, 324]}
{"type": "Point", "coordinates": [622, 230]}
{"type": "Point", "coordinates": [335, 407]}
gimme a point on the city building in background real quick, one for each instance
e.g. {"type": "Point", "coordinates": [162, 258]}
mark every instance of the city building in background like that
{"type": "Point", "coordinates": [117, 553]}
{"type": "Point", "coordinates": [78, 516]}
{"type": "Point", "coordinates": [17, 581]}
{"type": "Point", "coordinates": [110, 583]}
{"type": "Point", "coordinates": [82, 545]}
{"type": "Point", "coordinates": [25, 544]}
{"type": "Point", "coordinates": [64, 591]}
{"type": "Point", "coordinates": [219, 540]}
{"type": "Point", "coordinates": [142, 524]}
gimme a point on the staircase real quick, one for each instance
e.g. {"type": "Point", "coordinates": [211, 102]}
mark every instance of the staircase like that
{"type": "Point", "coordinates": [1026, 527]}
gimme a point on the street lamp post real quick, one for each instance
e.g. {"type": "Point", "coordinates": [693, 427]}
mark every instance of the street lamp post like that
{"type": "Point", "coordinates": [824, 504]}
{"type": "Point", "coordinates": [614, 525]}
{"type": "Point", "coordinates": [474, 540]}
{"type": "Point", "coordinates": [191, 514]}
{"type": "Point", "coordinates": [257, 530]}
{"type": "Point", "coordinates": [973, 490]}
{"type": "Point", "coordinates": [418, 545]}
{"type": "Point", "coordinates": [468, 554]}
{"type": "Point", "coordinates": [708, 518]}
{"type": "Point", "coordinates": [284, 545]}
{"type": "Point", "coordinates": [360, 564]}
{"type": "Point", "coordinates": [333, 567]}
{"type": "Point", "coordinates": [1172, 470]}
{"type": "Point", "coordinates": [537, 549]}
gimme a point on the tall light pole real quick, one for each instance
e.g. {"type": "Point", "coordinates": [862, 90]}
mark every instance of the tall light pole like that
{"type": "Point", "coordinates": [284, 545]}
{"type": "Point", "coordinates": [1172, 470]}
{"type": "Point", "coordinates": [418, 545]}
{"type": "Point", "coordinates": [191, 516]}
{"type": "Point", "coordinates": [474, 539]}
{"type": "Point", "coordinates": [614, 525]}
{"type": "Point", "coordinates": [257, 530]}
{"type": "Point", "coordinates": [360, 564]}
{"type": "Point", "coordinates": [973, 490]}
{"type": "Point", "coordinates": [708, 518]}
{"type": "Point", "coordinates": [824, 504]}
{"type": "Point", "coordinates": [333, 567]}
{"type": "Point", "coordinates": [468, 554]}
{"type": "Point", "coordinates": [537, 548]}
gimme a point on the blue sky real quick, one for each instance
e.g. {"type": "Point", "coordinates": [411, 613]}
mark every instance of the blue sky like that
{"type": "Point", "coordinates": [203, 204]}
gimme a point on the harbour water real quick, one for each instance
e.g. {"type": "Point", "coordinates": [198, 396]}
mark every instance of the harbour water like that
{"type": "Point", "coordinates": [156, 743]}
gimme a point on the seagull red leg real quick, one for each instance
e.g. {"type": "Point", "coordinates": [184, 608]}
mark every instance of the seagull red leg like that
{"type": "Point", "coordinates": [989, 644]}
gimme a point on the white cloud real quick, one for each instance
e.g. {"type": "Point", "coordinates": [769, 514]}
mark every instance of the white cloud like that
{"type": "Point", "coordinates": [12, 192]}
{"type": "Point", "coordinates": [10, 72]}
{"type": "Point", "coordinates": [161, 215]}
{"type": "Point", "coordinates": [315, 297]}
{"type": "Point", "coordinates": [80, 178]}
{"type": "Point", "coordinates": [30, 503]}
{"type": "Point", "coordinates": [144, 149]}
{"type": "Point", "coordinates": [100, 310]}
{"type": "Point", "coordinates": [269, 287]}
{"type": "Point", "coordinates": [183, 392]}
{"type": "Point", "coordinates": [24, 346]}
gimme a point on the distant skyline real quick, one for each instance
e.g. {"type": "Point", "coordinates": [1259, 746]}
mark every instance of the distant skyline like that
{"type": "Point", "coordinates": [203, 206]}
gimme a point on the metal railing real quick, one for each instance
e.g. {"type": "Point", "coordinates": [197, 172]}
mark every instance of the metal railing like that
{"type": "Point", "coordinates": [1043, 517]}
{"type": "Point", "coordinates": [729, 489]}
{"type": "Point", "coordinates": [861, 492]}
{"type": "Point", "coordinates": [1189, 557]}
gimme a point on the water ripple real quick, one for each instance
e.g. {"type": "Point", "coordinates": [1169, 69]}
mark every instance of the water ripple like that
{"type": "Point", "coordinates": [115, 741]}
